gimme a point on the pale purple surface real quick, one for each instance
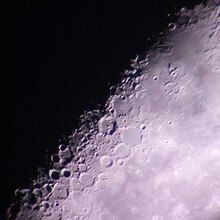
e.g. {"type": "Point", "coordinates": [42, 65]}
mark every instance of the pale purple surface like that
{"type": "Point", "coordinates": [157, 155]}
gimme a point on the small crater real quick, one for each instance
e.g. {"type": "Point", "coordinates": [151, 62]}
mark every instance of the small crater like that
{"type": "Point", "coordinates": [62, 147]}
{"type": "Point", "coordinates": [155, 78]}
{"type": "Point", "coordinates": [54, 174]}
{"type": "Point", "coordinates": [65, 173]}
{"type": "Point", "coordinates": [106, 161]}
{"type": "Point", "coordinates": [107, 126]}
{"type": "Point", "coordinates": [172, 26]}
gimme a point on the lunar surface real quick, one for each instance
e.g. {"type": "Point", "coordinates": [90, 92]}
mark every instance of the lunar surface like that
{"type": "Point", "coordinates": [153, 153]}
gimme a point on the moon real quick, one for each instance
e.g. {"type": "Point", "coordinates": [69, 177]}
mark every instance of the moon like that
{"type": "Point", "coordinates": [153, 153]}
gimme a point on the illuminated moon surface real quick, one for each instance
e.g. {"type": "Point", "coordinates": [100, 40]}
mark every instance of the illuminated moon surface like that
{"type": "Point", "coordinates": [154, 153]}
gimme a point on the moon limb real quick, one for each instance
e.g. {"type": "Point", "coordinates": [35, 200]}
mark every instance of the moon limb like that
{"type": "Point", "coordinates": [154, 154]}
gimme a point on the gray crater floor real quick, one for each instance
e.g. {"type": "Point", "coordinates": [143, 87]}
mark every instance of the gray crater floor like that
{"type": "Point", "coordinates": [154, 153]}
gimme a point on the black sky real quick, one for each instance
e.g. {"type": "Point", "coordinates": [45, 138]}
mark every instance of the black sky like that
{"type": "Point", "coordinates": [59, 59]}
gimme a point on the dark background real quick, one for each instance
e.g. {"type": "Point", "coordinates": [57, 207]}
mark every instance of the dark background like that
{"type": "Point", "coordinates": [60, 59]}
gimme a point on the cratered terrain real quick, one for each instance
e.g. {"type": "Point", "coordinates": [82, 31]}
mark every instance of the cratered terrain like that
{"type": "Point", "coordinates": [154, 152]}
